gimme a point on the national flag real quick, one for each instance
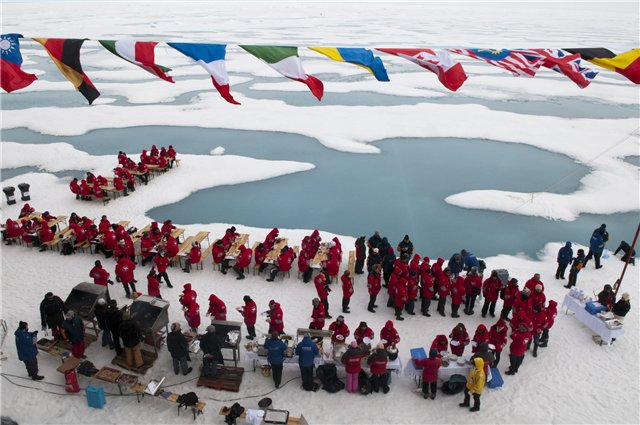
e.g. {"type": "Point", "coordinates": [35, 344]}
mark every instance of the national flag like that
{"type": "Point", "coordinates": [627, 63]}
{"type": "Point", "coordinates": [513, 62]}
{"type": "Point", "coordinates": [285, 60]}
{"type": "Point", "coordinates": [141, 53]}
{"type": "Point", "coordinates": [449, 72]}
{"type": "Point", "coordinates": [210, 57]}
{"type": "Point", "coordinates": [357, 56]}
{"type": "Point", "coordinates": [12, 77]}
{"type": "Point", "coordinates": [65, 53]}
{"type": "Point", "coordinates": [563, 63]}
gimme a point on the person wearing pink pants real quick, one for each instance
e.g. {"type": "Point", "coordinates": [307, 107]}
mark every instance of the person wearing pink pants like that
{"type": "Point", "coordinates": [352, 360]}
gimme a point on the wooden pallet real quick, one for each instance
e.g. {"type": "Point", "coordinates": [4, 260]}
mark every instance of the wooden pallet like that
{"type": "Point", "coordinates": [229, 378]}
{"type": "Point", "coordinates": [88, 340]}
{"type": "Point", "coordinates": [148, 359]}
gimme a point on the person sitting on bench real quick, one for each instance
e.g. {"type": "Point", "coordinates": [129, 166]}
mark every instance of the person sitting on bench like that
{"type": "Point", "coordinates": [212, 353]}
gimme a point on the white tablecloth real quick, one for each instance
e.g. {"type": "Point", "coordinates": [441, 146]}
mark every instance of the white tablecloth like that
{"type": "Point", "coordinates": [589, 320]}
{"type": "Point", "coordinates": [444, 373]}
{"type": "Point", "coordinates": [395, 365]}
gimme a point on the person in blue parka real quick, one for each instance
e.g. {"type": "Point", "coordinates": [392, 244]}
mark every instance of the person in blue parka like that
{"type": "Point", "coordinates": [307, 350]}
{"type": "Point", "coordinates": [565, 254]}
{"type": "Point", "coordinates": [27, 350]}
{"type": "Point", "coordinates": [275, 356]}
{"type": "Point", "coordinates": [598, 239]}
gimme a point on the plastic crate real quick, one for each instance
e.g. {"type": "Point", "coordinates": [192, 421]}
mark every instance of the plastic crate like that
{"type": "Point", "coordinates": [594, 307]}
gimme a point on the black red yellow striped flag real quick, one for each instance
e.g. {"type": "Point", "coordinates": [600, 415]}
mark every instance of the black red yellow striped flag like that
{"type": "Point", "coordinates": [627, 63]}
{"type": "Point", "coordinates": [65, 53]}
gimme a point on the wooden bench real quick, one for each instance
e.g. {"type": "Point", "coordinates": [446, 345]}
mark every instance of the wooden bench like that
{"type": "Point", "coordinates": [197, 410]}
{"type": "Point", "coordinates": [205, 254]}
{"type": "Point", "coordinates": [351, 265]}
{"type": "Point", "coordinates": [111, 190]}
{"type": "Point", "coordinates": [57, 238]}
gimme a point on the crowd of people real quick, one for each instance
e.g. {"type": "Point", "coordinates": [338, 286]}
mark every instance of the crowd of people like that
{"type": "Point", "coordinates": [412, 284]}
{"type": "Point", "coordinates": [124, 175]}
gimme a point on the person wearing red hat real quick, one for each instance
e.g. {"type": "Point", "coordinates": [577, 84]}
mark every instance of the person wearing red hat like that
{"type": "Point", "coordinates": [275, 318]}
{"type": "Point", "coordinates": [481, 335]}
{"type": "Point", "coordinates": [270, 240]}
{"type": "Point", "coordinates": [430, 367]}
{"type": "Point", "coordinates": [192, 314]}
{"type": "Point", "coordinates": [188, 295]}
{"type": "Point", "coordinates": [390, 335]}
{"type": "Point", "coordinates": [217, 308]}
{"type": "Point", "coordinates": [441, 344]}
{"type": "Point", "coordinates": [459, 339]}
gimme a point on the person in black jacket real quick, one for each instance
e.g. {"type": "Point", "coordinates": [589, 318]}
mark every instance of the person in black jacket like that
{"type": "Point", "coordinates": [373, 259]}
{"type": "Point", "coordinates": [622, 307]}
{"type": "Point", "coordinates": [405, 246]}
{"type": "Point", "coordinates": [388, 259]}
{"type": "Point", "coordinates": [52, 312]}
{"type": "Point", "coordinates": [179, 349]}
{"type": "Point", "coordinates": [100, 311]}
{"type": "Point", "coordinates": [361, 254]}
{"type": "Point", "coordinates": [113, 320]}
{"type": "Point", "coordinates": [131, 337]}
{"type": "Point", "coordinates": [212, 353]}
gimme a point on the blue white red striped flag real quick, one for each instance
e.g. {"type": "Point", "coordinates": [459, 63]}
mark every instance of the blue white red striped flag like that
{"type": "Point", "coordinates": [562, 62]}
{"type": "Point", "coordinates": [516, 63]}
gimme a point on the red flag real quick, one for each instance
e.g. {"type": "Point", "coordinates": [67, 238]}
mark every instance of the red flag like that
{"type": "Point", "coordinates": [449, 72]}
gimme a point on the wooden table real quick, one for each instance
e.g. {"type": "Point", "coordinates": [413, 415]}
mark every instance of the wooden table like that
{"type": "Point", "coordinates": [234, 249]}
{"type": "Point", "coordinates": [321, 255]}
{"type": "Point", "coordinates": [272, 256]}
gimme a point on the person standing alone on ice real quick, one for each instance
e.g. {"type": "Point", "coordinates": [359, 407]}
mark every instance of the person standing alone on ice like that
{"type": "Point", "coordinates": [27, 350]}
{"type": "Point", "coordinates": [598, 239]}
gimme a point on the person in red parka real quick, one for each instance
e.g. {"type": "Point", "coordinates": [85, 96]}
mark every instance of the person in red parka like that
{"type": "Point", "coordinates": [427, 290]}
{"type": "Point", "coordinates": [100, 276]}
{"type": "Point", "coordinates": [317, 314]}
{"type": "Point", "coordinates": [389, 334]}
{"type": "Point", "coordinates": [45, 234]}
{"type": "Point", "coordinates": [347, 291]}
{"type": "Point", "coordinates": [75, 187]}
{"type": "Point", "coordinates": [194, 257]}
{"type": "Point", "coordinates": [146, 245]}
{"type": "Point", "coordinates": [270, 240]}
{"type": "Point", "coordinates": [80, 233]}
{"type": "Point", "coordinates": [459, 339]}
{"type": "Point", "coordinates": [498, 338]}
{"type": "Point", "coordinates": [401, 297]}
{"type": "Point", "coordinates": [322, 290]}
{"type": "Point", "coordinates": [217, 308]}
{"type": "Point", "coordinates": [104, 224]}
{"type": "Point", "coordinates": [519, 340]}
{"type": "Point", "coordinates": [473, 288]}
{"type": "Point", "coordinates": [28, 227]}
{"type": "Point", "coordinates": [332, 265]}
{"type": "Point", "coordinates": [167, 227]}
{"type": "Point", "coordinates": [491, 290]}
{"type": "Point", "coordinates": [124, 273]}
{"type": "Point", "coordinates": [153, 284]}
{"type": "Point", "coordinates": [340, 331]}
{"type": "Point", "coordinates": [276, 319]}
{"type": "Point", "coordinates": [481, 335]}
{"type": "Point", "coordinates": [430, 367]}
{"type": "Point", "coordinates": [109, 243]}
{"type": "Point", "coordinates": [535, 280]}
{"type": "Point", "coordinates": [352, 360]}
{"type": "Point", "coordinates": [412, 292]}
{"type": "Point", "coordinates": [363, 331]}
{"type": "Point", "coordinates": [441, 344]}
{"type": "Point", "coordinates": [162, 261]}
{"type": "Point", "coordinates": [171, 245]}
{"type": "Point", "coordinates": [243, 261]}
{"type": "Point", "coordinates": [458, 292]}
{"type": "Point", "coordinates": [259, 256]}
{"type": "Point", "coordinates": [552, 312]}
{"type": "Point", "coordinates": [523, 303]}
{"type": "Point", "coordinates": [509, 295]}
{"type": "Point", "coordinates": [26, 210]}
{"type": "Point", "coordinates": [219, 253]}
{"type": "Point", "coordinates": [443, 284]}
{"type": "Point", "coordinates": [377, 362]}
{"type": "Point", "coordinates": [284, 262]}
{"type": "Point", "coordinates": [538, 298]}
{"type": "Point", "coordinates": [250, 313]}
{"type": "Point", "coordinates": [188, 295]}
{"type": "Point", "coordinates": [192, 314]}
{"type": "Point", "coordinates": [540, 323]}
{"type": "Point", "coordinates": [374, 285]}
{"type": "Point", "coordinates": [12, 231]}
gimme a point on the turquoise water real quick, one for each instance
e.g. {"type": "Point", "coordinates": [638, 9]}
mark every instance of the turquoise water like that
{"type": "Point", "coordinates": [399, 191]}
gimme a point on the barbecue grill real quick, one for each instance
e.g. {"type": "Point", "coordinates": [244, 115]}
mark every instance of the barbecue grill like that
{"type": "Point", "coordinates": [229, 336]}
{"type": "Point", "coordinates": [152, 316]}
{"type": "Point", "coordinates": [82, 300]}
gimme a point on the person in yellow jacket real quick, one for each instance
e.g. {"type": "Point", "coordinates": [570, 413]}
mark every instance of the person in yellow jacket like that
{"type": "Point", "coordinates": [475, 384]}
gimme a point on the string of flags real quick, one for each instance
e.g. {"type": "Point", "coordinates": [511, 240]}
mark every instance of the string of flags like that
{"type": "Point", "coordinates": [65, 54]}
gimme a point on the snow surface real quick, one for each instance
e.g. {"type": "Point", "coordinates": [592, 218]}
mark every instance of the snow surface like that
{"type": "Point", "coordinates": [572, 381]}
